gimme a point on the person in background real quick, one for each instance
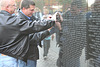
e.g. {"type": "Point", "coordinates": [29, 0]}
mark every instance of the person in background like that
{"type": "Point", "coordinates": [46, 41]}
{"type": "Point", "coordinates": [46, 45]}
{"type": "Point", "coordinates": [37, 13]}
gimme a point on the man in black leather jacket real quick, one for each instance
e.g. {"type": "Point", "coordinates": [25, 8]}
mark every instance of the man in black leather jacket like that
{"type": "Point", "coordinates": [26, 12]}
{"type": "Point", "coordinates": [14, 31]}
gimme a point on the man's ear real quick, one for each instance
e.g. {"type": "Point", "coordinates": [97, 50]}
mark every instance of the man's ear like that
{"type": "Point", "coordinates": [23, 8]}
{"type": "Point", "coordinates": [7, 7]}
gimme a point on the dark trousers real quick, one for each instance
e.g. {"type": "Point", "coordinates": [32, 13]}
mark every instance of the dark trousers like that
{"type": "Point", "coordinates": [46, 46]}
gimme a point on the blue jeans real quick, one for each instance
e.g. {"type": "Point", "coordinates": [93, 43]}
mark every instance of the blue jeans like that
{"type": "Point", "coordinates": [7, 61]}
{"type": "Point", "coordinates": [30, 63]}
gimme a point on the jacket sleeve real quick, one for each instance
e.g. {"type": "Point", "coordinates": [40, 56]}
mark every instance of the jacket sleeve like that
{"type": "Point", "coordinates": [27, 27]}
{"type": "Point", "coordinates": [37, 37]}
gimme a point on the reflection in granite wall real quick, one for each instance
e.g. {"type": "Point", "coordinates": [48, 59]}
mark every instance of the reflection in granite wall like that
{"type": "Point", "coordinates": [93, 35]}
{"type": "Point", "coordinates": [73, 36]}
{"type": "Point", "coordinates": [80, 29]}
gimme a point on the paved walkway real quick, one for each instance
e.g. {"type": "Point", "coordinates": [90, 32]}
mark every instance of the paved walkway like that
{"type": "Point", "coordinates": [51, 58]}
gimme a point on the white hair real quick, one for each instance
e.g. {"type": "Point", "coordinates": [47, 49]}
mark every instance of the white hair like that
{"type": "Point", "coordinates": [5, 2]}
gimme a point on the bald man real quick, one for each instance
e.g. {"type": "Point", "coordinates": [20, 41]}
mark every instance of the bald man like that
{"type": "Point", "coordinates": [7, 61]}
{"type": "Point", "coordinates": [14, 34]}
{"type": "Point", "coordinates": [8, 5]}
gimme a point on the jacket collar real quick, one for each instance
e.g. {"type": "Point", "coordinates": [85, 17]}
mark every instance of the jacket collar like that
{"type": "Point", "coordinates": [22, 15]}
{"type": "Point", "coordinates": [5, 12]}
{"type": "Point", "coordinates": [25, 15]}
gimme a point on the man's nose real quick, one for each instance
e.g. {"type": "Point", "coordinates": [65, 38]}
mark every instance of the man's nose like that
{"type": "Point", "coordinates": [15, 7]}
{"type": "Point", "coordinates": [32, 11]}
